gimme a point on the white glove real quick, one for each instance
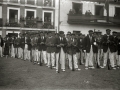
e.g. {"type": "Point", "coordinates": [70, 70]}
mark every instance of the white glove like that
{"type": "Point", "coordinates": [84, 50]}
{"type": "Point", "coordinates": [95, 43]}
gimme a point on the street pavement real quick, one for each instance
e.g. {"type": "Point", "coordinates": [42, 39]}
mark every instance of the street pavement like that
{"type": "Point", "coordinates": [17, 74]}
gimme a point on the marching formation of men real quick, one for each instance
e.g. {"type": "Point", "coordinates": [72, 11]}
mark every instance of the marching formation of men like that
{"type": "Point", "coordinates": [58, 51]}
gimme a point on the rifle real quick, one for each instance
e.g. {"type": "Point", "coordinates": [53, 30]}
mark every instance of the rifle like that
{"type": "Point", "coordinates": [50, 61]}
{"type": "Point", "coordinates": [40, 58]}
{"type": "Point", "coordinates": [72, 59]}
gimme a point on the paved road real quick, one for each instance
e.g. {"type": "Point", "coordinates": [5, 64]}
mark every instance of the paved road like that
{"type": "Point", "coordinates": [16, 74]}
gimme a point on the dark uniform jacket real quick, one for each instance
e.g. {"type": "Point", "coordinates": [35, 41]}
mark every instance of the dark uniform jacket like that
{"type": "Point", "coordinates": [118, 46]}
{"type": "Point", "coordinates": [80, 43]}
{"type": "Point", "coordinates": [109, 45]}
{"type": "Point", "coordinates": [115, 43]}
{"type": "Point", "coordinates": [1, 43]}
{"type": "Point", "coordinates": [42, 46]}
{"type": "Point", "coordinates": [87, 44]}
{"type": "Point", "coordinates": [16, 43]}
{"type": "Point", "coordinates": [71, 46]}
{"type": "Point", "coordinates": [29, 43]}
{"type": "Point", "coordinates": [22, 42]}
{"type": "Point", "coordinates": [61, 41]}
{"type": "Point", "coordinates": [50, 42]}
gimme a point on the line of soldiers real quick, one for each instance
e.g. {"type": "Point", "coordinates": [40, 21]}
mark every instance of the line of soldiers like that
{"type": "Point", "coordinates": [56, 50]}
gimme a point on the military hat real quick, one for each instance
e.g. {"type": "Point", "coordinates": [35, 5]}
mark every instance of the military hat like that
{"type": "Point", "coordinates": [76, 32]}
{"type": "Point", "coordinates": [72, 34]}
{"type": "Point", "coordinates": [90, 31]}
{"type": "Point", "coordinates": [61, 32]}
{"type": "Point", "coordinates": [68, 32]}
{"type": "Point", "coordinates": [108, 30]}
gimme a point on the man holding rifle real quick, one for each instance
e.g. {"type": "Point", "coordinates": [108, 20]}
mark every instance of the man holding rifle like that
{"type": "Point", "coordinates": [88, 49]}
{"type": "Point", "coordinates": [50, 42]}
{"type": "Point", "coordinates": [108, 48]}
{"type": "Point", "coordinates": [60, 51]}
{"type": "Point", "coordinates": [72, 47]}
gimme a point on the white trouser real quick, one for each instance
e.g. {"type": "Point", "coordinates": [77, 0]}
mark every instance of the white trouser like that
{"type": "Point", "coordinates": [12, 51]}
{"type": "Point", "coordinates": [51, 59]}
{"type": "Point", "coordinates": [115, 58]}
{"type": "Point", "coordinates": [118, 61]}
{"type": "Point", "coordinates": [81, 56]}
{"type": "Point", "coordinates": [61, 58]}
{"type": "Point", "coordinates": [25, 52]}
{"type": "Point", "coordinates": [108, 55]}
{"type": "Point", "coordinates": [75, 61]}
{"type": "Point", "coordinates": [89, 58]}
{"type": "Point", "coordinates": [78, 55]}
{"type": "Point", "coordinates": [96, 58]}
{"type": "Point", "coordinates": [39, 53]}
{"type": "Point", "coordinates": [1, 51]}
{"type": "Point", "coordinates": [28, 55]}
{"type": "Point", "coordinates": [44, 56]}
{"type": "Point", "coordinates": [36, 58]}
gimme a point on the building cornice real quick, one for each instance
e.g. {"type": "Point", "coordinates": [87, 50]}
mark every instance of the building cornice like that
{"type": "Point", "coordinates": [26, 5]}
{"type": "Point", "coordinates": [20, 28]}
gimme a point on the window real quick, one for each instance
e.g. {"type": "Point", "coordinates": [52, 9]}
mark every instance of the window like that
{"type": "Point", "coordinates": [117, 12]}
{"type": "Point", "coordinates": [30, 13]}
{"type": "Point", "coordinates": [99, 10]}
{"type": "Point", "coordinates": [77, 7]}
{"type": "Point", "coordinates": [48, 19]}
{"type": "Point", "coordinates": [48, 2]}
{"type": "Point", "coordinates": [48, 16]}
{"type": "Point", "coordinates": [13, 14]}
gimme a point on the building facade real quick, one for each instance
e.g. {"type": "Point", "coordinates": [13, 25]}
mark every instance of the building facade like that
{"type": "Point", "coordinates": [83, 15]}
{"type": "Point", "coordinates": [26, 15]}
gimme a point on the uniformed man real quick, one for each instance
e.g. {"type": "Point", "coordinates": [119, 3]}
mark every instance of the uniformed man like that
{"type": "Point", "coordinates": [29, 47]}
{"type": "Point", "coordinates": [60, 51]}
{"type": "Point", "coordinates": [43, 47]}
{"type": "Point", "coordinates": [88, 48]}
{"type": "Point", "coordinates": [1, 45]}
{"type": "Point", "coordinates": [50, 42]}
{"type": "Point", "coordinates": [12, 47]}
{"type": "Point", "coordinates": [108, 48]}
{"type": "Point", "coordinates": [115, 47]}
{"type": "Point", "coordinates": [71, 49]}
{"type": "Point", "coordinates": [22, 43]}
{"type": "Point", "coordinates": [16, 47]}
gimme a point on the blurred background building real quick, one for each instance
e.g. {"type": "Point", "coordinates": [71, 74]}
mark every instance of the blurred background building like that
{"type": "Point", "coordinates": [83, 15]}
{"type": "Point", "coordinates": [25, 15]}
{"type": "Point", "coordinates": [59, 15]}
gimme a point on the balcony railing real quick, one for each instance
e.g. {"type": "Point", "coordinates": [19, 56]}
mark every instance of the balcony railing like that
{"type": "Point", "coordinates": [29, 23]}
{"type": "Point", "coordinates": [90, 19]}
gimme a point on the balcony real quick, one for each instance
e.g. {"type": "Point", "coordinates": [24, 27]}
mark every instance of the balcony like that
{"type": "Point", "coordinates": [28, 23]}
{"type": "Point", "coordinates": [91, 19]}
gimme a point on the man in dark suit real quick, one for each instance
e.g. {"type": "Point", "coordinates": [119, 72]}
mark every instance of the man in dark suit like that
{"type": "Point", "coordinates": [60, 50]}
{"type": "Point", "coordinates": [88, 48]}
{"type": "Point", "coordinates": [29, 47]}
{"type": "Point", "coordinates": [108, 48]}
{"type": "Point", "coordinates": [43, 47]}
{"type": "Point", "coordinates": [114, 33]}
{"type": "Point", "coordinates": [22, 43]}
{"type": "Point", "coordinates": [51, 48]}
{"type": "Point", "coordinates": [1, 45]}
{"type": "Point", "coordinates": [72, 49]}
